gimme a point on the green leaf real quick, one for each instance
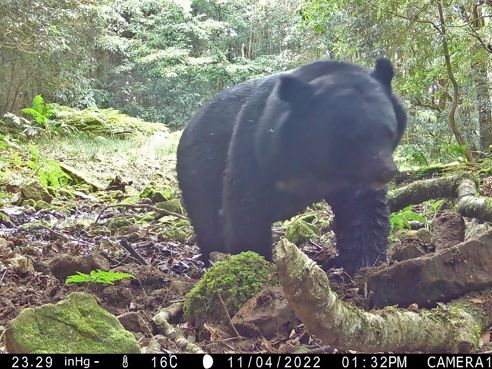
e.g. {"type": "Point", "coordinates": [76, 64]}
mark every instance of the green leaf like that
{"type": "Point", "coordinates": [97, 276]}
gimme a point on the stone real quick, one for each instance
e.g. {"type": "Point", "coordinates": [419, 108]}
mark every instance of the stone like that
{"type": "Point", "coordinates": [75, 325]}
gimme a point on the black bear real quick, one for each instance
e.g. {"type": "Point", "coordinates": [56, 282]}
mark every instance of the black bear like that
{"type": "Point", "coordinates": [265, 149]}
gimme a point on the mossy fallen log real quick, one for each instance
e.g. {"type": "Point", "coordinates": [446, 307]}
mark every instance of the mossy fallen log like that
{"type": "Point", "coordinates": [455, 327]}
{"type": "Point", "coordinates": [461, 187]}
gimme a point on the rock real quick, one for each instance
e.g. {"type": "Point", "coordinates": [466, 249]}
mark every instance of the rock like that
{"type": "Point", "coordinates": [155, 195]}
{"type": "Point", "coordinates": [236, 280]}
{"type": "Point", "coordinates": [216, 256]}
{"type": "Point", "coordinates": [80, 176]}
{"type": "Point", "coordinates": [475, 229]}
{"type": "Point", "coordinates": [64, 265]}
{"type": "Point", "coordinates": [404, 250]}
{"type": "Point", "coordinates": [29, 203]}
{"type": "Point", "coordinates": [21, 264]}
{"type": "Point", "coordinates": [74, 325]}
{"type": "Point", "coordinates": [182, 287]}
{"type": "Point", "coordinates": [134, 322]}
{"type": "Point", "coordinates": [423, 234]}
{"type": "Point", "coordinates": [411, 244]}
{"type": "Point", "coordinates": [448, 229]}
{"type": "Point", "coordinates": [268, 313]}
{"type": "Point", "coordinates": [437, 277]}
{"type": "Point", "coordinates": [35, 191]}
{"type": "Point", "coordinates": [173, 205]}
{"type": "Point", "coordinates": [40, 205]}
{"type": "Point", "coordinates": [118, 222]}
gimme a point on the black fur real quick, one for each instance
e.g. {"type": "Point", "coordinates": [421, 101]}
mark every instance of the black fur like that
{"type": "Point", "coordinates": [263, 150]}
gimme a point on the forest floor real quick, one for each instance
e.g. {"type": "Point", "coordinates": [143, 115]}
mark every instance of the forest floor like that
{"type": "Point", "coordinates": [43, 242]}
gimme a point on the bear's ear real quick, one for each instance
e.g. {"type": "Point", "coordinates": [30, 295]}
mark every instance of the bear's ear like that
{"type": "Point", "coordinates": [383, 72]}
{"type": "Point", "coordinates": [291, 89]}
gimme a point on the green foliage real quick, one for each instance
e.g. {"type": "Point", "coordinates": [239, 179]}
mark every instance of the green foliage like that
{"type": "Point", "coordinates": [48, 47]}
{"type": "Point", "coordinates": [401, 219]}
{"type": "Point", "coordinates": [3, 141]}
{"type": "Point", "coordinates": [19, 127]}
{"type": "Point", "coordinates": [98, 276]}
{"type": "Point", "coordinates": [415, 156]}
{"type": "Point", "coordinates": [49, 171]}
{"type": "Point", "coordinates": [409, 33]}
{"type": "Point", "coordinates": [5, 217]}
{"type": "Point", "coordinates": [431, 207]}
{"type": "Point", "coordinates": [178, 54]}
{"type": "Point", "coordinates": [39, 111]}
{"type": "Point", "coordinates": [236, 280]}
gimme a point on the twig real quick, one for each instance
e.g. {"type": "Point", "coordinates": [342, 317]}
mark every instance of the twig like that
{"type": "Point", "coordinates": [228, 316]}
{"type": "Point", "coordinates": [161, 321]}
{"type": "Point", "coordinates": [67, 237]}
{"type": "Point", "coordinates": [124, 243]}
{"type": "Point", "coordinates": [3, 276]}
{"type": "Point", "coordinates": [322, 350]}
{"type": "Point", "coordinates": [142, 287]}
{"type": "Point", "coordinates": [134, 206]}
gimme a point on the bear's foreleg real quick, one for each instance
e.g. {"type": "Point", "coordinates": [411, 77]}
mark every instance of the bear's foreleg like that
{"type": "Point", "coordinates": [361, 227]}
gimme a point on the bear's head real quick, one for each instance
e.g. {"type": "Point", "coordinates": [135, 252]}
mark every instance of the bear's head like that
{"type": "Point", "coordinates": [340, 128]}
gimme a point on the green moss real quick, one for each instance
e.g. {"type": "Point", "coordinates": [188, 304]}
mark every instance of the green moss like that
{"type": "Point", "coordinates": [156, 195]}
{"type": "Point", "coordinates": [175, 229]}
{"type": "Point", "coordinates": [75, 325]}
{"type": "Point", "coordinates": [300, 230]}
{"type": "Point", "coordinates": [119, 222]}
{"type": "Point", "coordinates": [29, 202]}
{"type": "Point", "coordinates": [40, 204]}
{"type": "Point", "coordinates": [104, 122]}
{"type": "Point", "coordinates": [172, 205]}
{"type": "Point", "coordinates": [236, 280]}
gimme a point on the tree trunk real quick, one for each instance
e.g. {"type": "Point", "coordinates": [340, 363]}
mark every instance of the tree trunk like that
{"type": "Point", "coordinates": [481, 80]}
{"type": "Point", "coordinates": [455, 96]}
{"type": "Point", "coordinates": [484, 114]}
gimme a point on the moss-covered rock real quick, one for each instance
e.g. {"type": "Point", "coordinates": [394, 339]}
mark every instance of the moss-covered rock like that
{"type": "Point", "coordinates": [29, 202]}
{"type": "Point", "coordinates": [40, 205]}
{"type": "Point", "coordinates": [175, 229]}
{"type": "Point", "coordinates": [105, 122]}
{"type": "Point", "coordinates": [236, 280]}
{"type": "Point", "coordinates": [74, 325]}
{"type": "Point", "coordinates": [119, 222]}
{"type": "Point", "coordinates": [155, 195]}
{"type": "Point", "coordinates": [35, 191]}
{"type": "Point", "coordinates": [173, 205]}
{"type": "Point", "coordinates": [300, 230]}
